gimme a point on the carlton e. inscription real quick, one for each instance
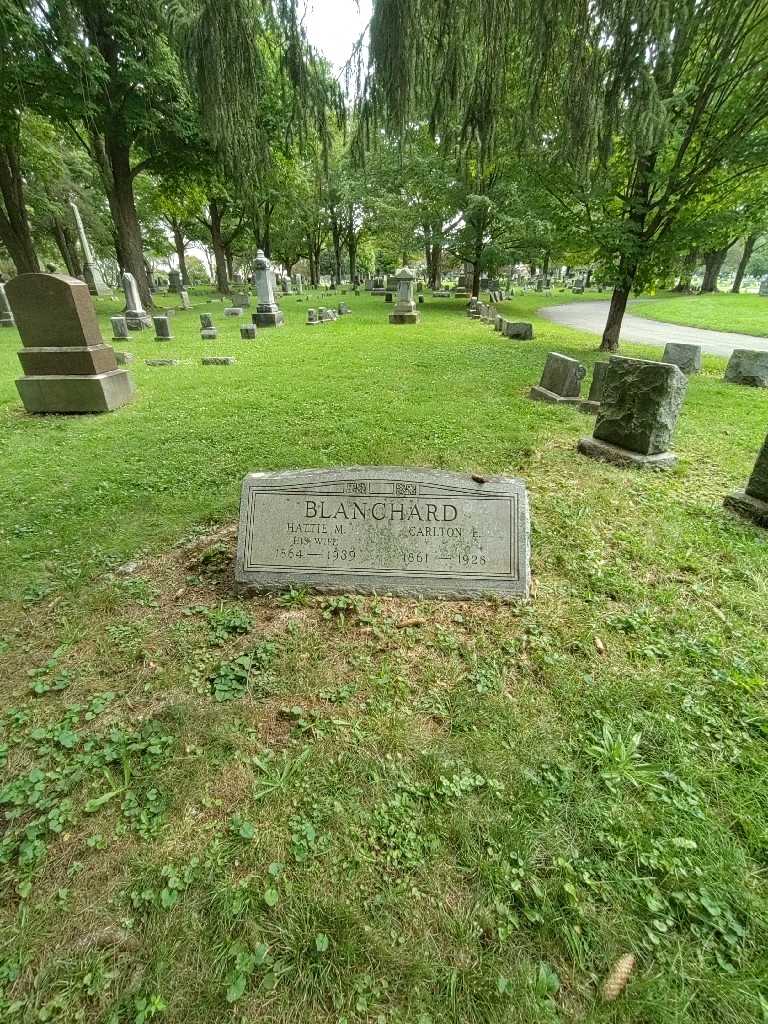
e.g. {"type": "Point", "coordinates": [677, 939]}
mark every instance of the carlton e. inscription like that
{"type": "Point", "coordinates": [384, 529]}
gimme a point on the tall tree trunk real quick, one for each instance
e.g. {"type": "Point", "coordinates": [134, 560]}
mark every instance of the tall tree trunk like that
{"type": "Point", "coordinates": [610, 342]}
{"type": "Point", "coordinates": [113, 155]}
{"type": "Point", "coordinates": [749, 247]}
{"type": "Point", "coordinates": [65, 243]}
{"type": "Point", "coordinates": [686, 272]}
{"type": "Point", "coordinates": [352, 251]}
{"type": "Point", "coordinates": [14, 223]}
{"type": "Point", "coordinates": [435, 265]}
{"type": "Point", "coordinates": [181, 253]}
{"type": "Point", "coordinates": [713, 264]}
{"type": "Point", "coordinates": [621, 292]}
{"type": "Point", "coordinates": [217, 244]}
{"type": "Point", "coordinates": [638, 211]}
{"type": "Point", "coordinates": [587, 279]}
{"type": "Point", "coordinates": [314, 262]}
{"type": "Point", "coordinates": [266, 238]}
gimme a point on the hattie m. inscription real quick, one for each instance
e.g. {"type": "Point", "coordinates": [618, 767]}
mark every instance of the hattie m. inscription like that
{"type": "Point", "coordinates": [384, 529]}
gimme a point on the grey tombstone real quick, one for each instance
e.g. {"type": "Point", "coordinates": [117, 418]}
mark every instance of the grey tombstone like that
{"type": "Point", "coordinates": [592, 403]}
{"type": "Point", "coordinates": [763, 286]}
{"type": "Point", "coordinates": [174, 281]}
{"type": "Point", "coordinates": [119, 328]}
{"type": "Point", "coordinates": [208, 333]}
{"type": "Point", "coordinates": [387, 296]}
{"type": "Point", "coordinates": [218, 360]}
{"type": "Point", "coordinates": [298, 284]}
{"type": "Point", "coordinates": [161, 362]}
{"type": "Point", "coordinates": [162, 328]}
{"type": "Point", "coordinates": [6, 316]}
{"type": "Point", "coordinates": [687, 357]}
{"type": "Point", "coordinates": [91, 272]}
{"type": "Point", "coordinates": [752, 502]}
{"type": "Point", "coordinates": [498, 322]}
{"type": "Point", "coordinates": [520, 330]}
{"type": "Point", "coordinates": [268, 313]}
{"type": "Point", "coordinates": [136, 316]}
{"type": "Point", "coordinates": [206, 321]}
{"type": "Point", "coordinates": [242, 300]}
{"type": "Point", "coordinates": [248, 332]}
{"type": "Point", "coordinates": [184, 296]}
{"type": "Point", "coordinates": [233, 311]}
{"type": "Point", "coordinates": [312, 318]}
{"type": "Point", "coordinates": [638, 414]}
{"type": "Point", "coordinates": [560, 380]}
{"type": "Point", "coordinates": [748, 367]}
{"type": "Point", "coordinates": [384, 530]}
{"type": "Point", "coordinates": [67, 367]}
{"type": "Point", "coordinates": [124, 358]}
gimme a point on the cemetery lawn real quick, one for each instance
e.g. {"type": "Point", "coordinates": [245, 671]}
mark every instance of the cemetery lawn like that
{"type": "Point", "coordinates": [745, 314]}
{"type": "Point", "coordinates": [305, 809]}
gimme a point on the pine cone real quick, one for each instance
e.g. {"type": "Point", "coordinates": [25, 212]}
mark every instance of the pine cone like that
{"type": "Point", "coordinates": [618, 978]}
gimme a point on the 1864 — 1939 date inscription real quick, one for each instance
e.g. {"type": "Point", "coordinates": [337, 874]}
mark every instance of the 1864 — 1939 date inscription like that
{"type": "Point", "coordinates": [384, 529]}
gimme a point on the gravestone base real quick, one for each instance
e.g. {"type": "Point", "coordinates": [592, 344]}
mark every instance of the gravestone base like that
{"type": "Point", "coordinates": [403, 318]}
{"type": "Point", "coordinates": [67, 362]}
{"type": "Point", "coordinates": [605, 452]}
{"type": "Point", "coordinates": [268, 316]}
{"type": "Point", "coordinates": [102, 392]}
{"type": "Point", "coordinates": [540, 394]}
{"type": "Point", "coordinates": [208, 333]}
{"type": "Point", "coordinates": [137, 321]}
{"type": "Point", "coordinates": [6, 320]}
{"type": "Point", "coordinates": [593, 408]}
{"type": "Point", "coordinates": [748, 507]}
{"type": "Point", "coordinates": [218, 361]}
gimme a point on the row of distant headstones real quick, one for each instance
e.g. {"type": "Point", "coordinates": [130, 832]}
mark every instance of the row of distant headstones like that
{"type": "Point", "coordinates": [637, 403]}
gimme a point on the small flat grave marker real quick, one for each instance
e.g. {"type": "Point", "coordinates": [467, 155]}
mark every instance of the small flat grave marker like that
{"type": "Point", "coordinates": [384, 529]}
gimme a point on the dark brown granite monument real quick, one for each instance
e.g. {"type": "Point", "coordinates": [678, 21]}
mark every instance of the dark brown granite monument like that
{"type": "Point", "coordinates": [67, 367]}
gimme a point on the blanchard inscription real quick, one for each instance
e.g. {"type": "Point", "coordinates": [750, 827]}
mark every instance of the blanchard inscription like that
{"type": "Point", "coordinates": [401, 530]}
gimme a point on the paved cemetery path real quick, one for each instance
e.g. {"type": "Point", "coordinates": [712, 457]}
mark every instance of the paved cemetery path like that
{"type": "Point", "coordinates": [591, 316]}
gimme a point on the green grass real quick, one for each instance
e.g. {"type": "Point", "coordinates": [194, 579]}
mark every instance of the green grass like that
{"type": "Point", "coordinates": [292, 809]}
{"type": "Point", "coordinates": [743, 314]}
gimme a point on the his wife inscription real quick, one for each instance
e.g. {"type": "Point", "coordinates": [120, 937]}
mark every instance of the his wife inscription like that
{"type": "Point", "coordinates": [386, 529]}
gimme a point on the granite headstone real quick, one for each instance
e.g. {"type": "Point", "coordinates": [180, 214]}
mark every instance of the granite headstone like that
{"type": "Point", "coordinates": [384, 529]}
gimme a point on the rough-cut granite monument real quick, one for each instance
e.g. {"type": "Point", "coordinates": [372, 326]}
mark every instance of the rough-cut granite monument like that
{"type": "Point", "coordinates": [748, 367]}
{"type": "Point", "coordinates": [136, 316]}
{"type": "Point", "coordinates": [91, 272]}
{"type": "Point", "coordinates": [560, 381]}
{"type": "Point", "coordinates": [384, 529]}
{"type": "Point", "coordinates": [67, 366]}
{"type": "Point", "coordinates": [268, 313]}
{"type": "Point", "coordinates": [405, 308]}
{"type": "Point", "coordinates": [687, 357]}
{"type": "Point", "coordinates": [6, 316]}
{"type": "Point", "coordinates": [752, 502]}
{"type": "Point", "coordinates": [638, 414]}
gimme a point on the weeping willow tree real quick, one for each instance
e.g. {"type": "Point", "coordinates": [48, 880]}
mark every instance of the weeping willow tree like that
{"type": "Point", "coordinates": [258, 84]}
{"type": "Point", "coordinates": [638, 106]}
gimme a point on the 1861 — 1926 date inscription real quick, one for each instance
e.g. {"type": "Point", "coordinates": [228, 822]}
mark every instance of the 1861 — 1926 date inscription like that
{"type": "Point", "coordinates": [384, 529]}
